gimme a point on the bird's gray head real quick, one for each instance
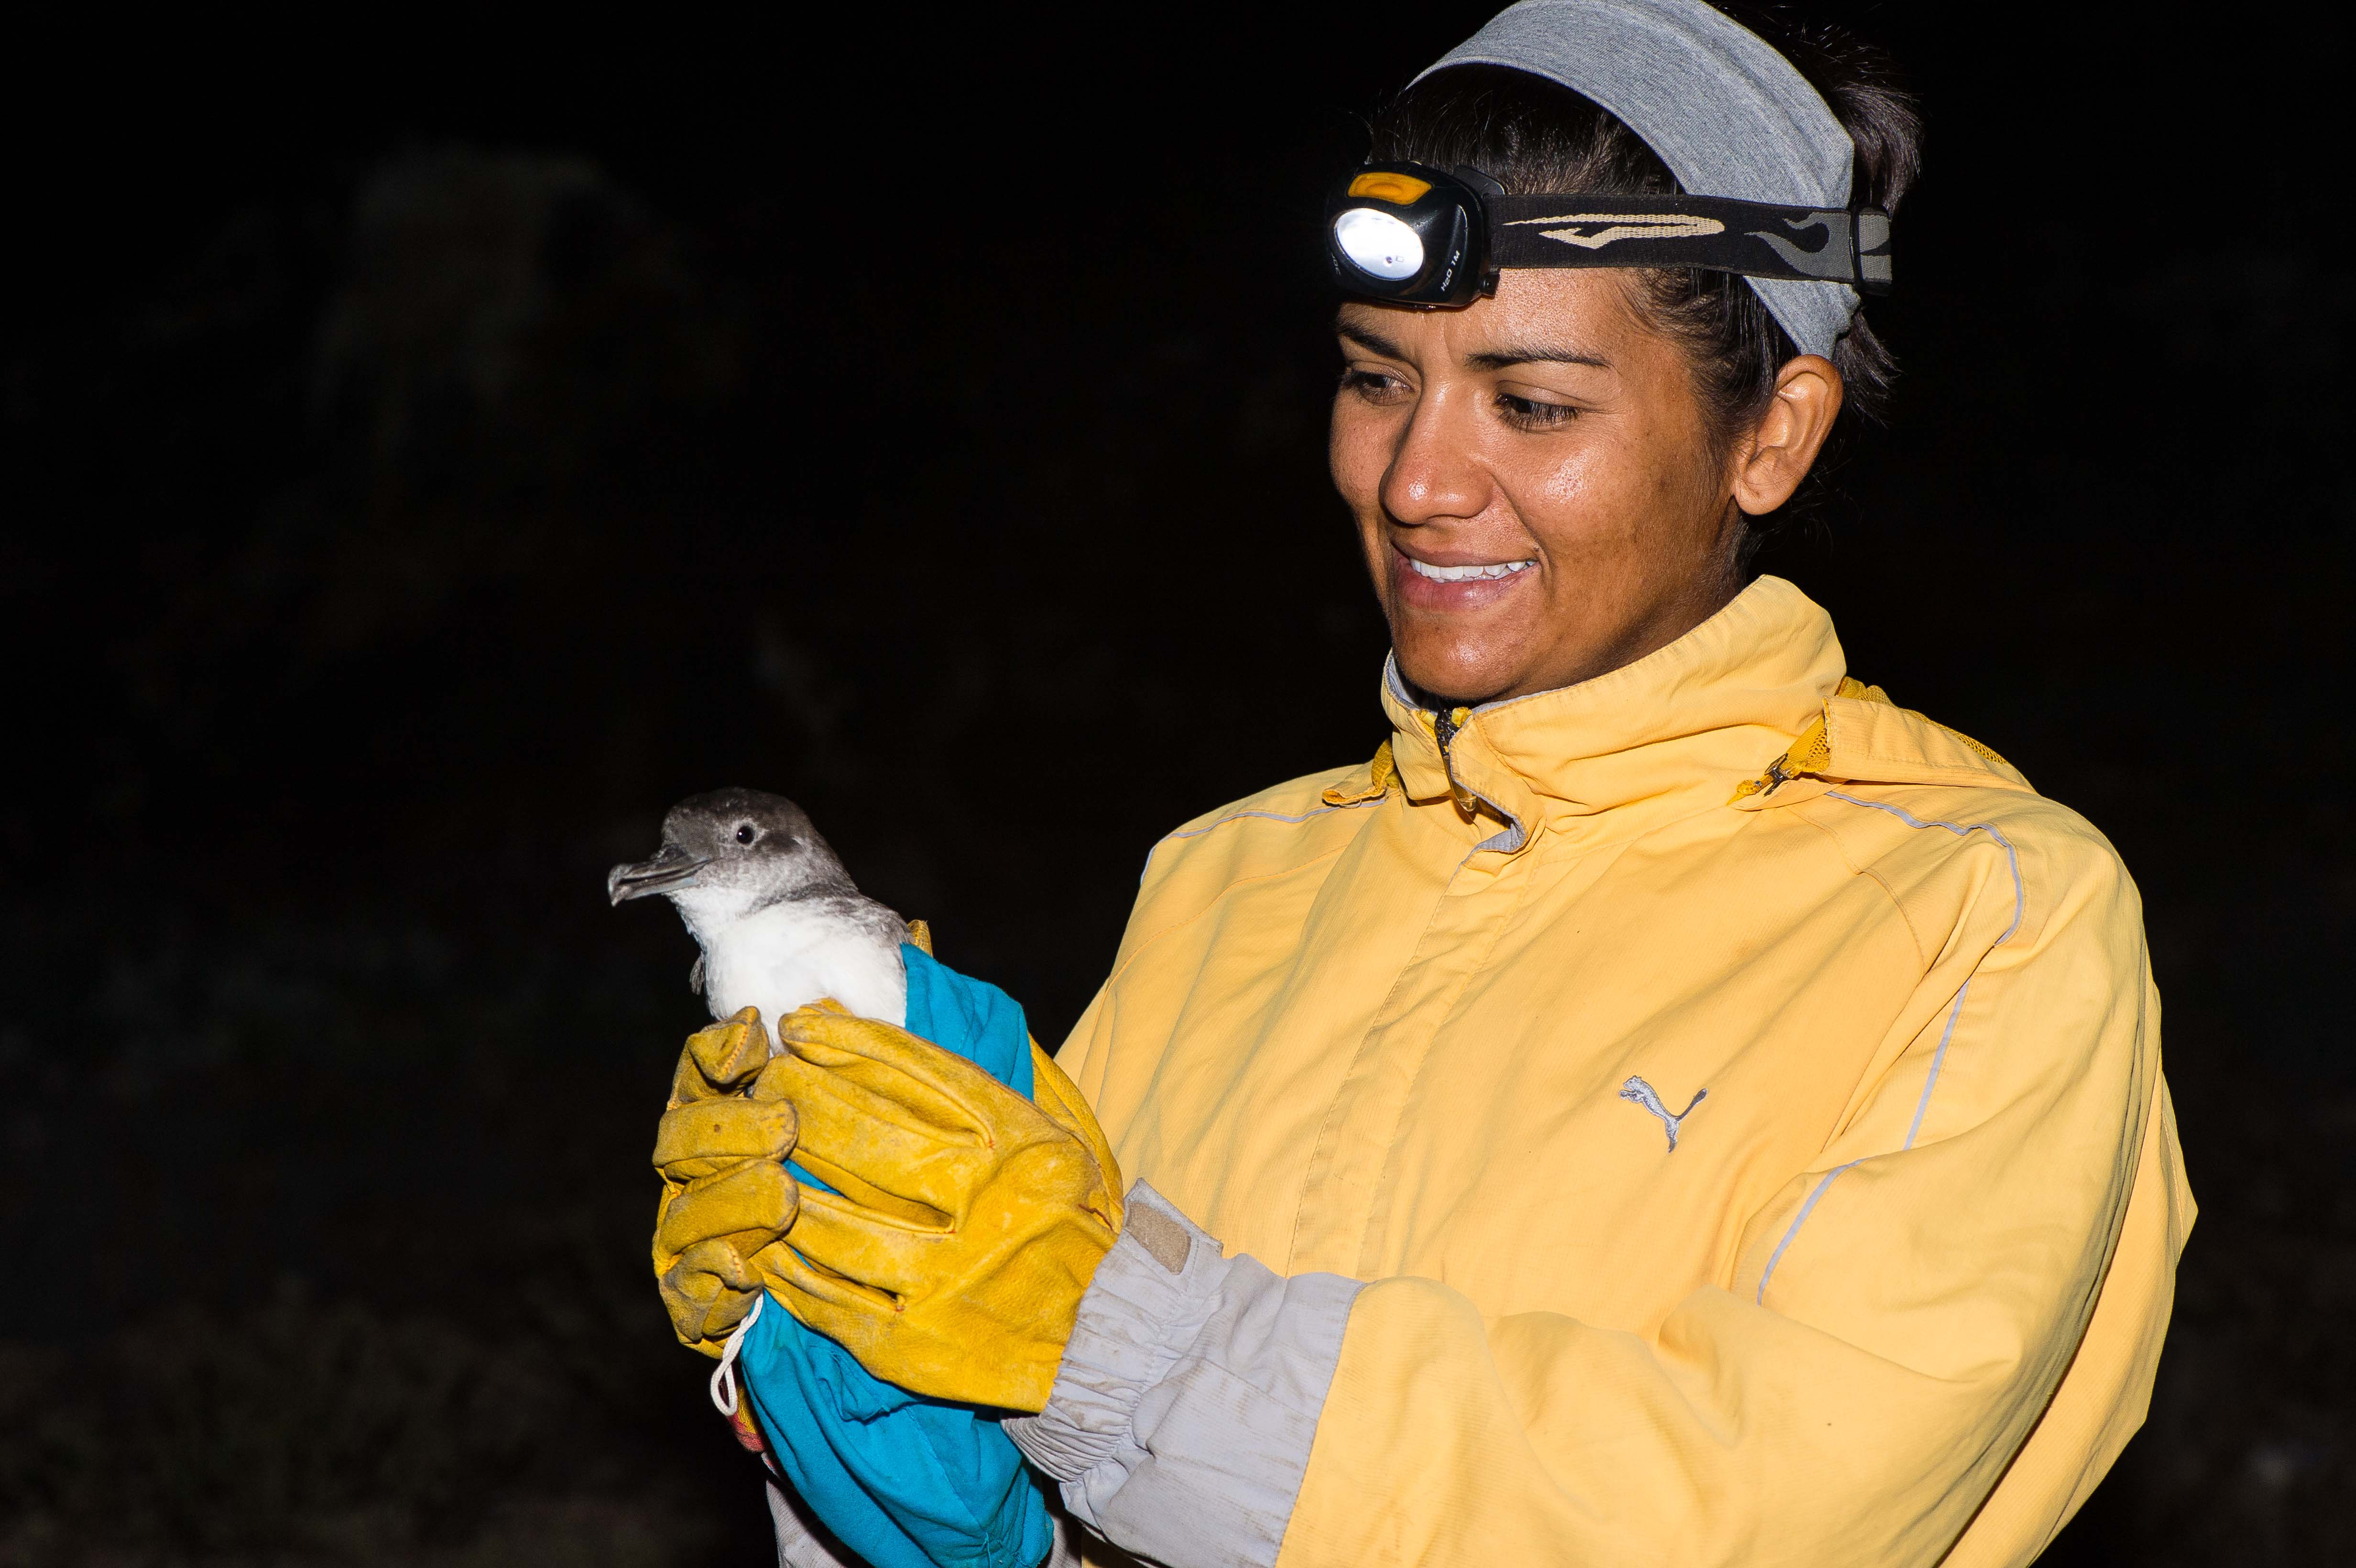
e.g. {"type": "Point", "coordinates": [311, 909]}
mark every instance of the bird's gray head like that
{"type": "Point", "coordinates": [730, 852]}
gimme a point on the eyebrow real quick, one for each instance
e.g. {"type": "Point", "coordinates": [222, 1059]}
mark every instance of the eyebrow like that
{"type": "Point", "coordinates": [1535, 354]}
{"type": "Point", "coordinates": [1366, 337]}
{"type": "Point", "coordinates": [1492, 359]}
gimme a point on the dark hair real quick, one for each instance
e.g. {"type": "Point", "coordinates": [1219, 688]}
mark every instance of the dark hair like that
{"type": "Point", "coordinates": [1534, 135]}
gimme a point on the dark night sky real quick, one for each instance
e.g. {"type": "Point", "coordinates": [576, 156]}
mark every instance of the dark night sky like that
{"type": "Point", "coordinates": [418, 479]}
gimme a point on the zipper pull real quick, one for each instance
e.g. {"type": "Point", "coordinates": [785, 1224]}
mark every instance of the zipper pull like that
{"type": "Point", "coordinates": [1445, 723]}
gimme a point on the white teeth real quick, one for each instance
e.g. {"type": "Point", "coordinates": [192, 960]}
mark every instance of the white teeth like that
{"type": "Point", "coordinates": [1467, 574]}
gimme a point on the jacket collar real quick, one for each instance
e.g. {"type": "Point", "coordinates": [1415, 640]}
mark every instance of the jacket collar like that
{"type": "Point", "coordinates": [1675, 732]}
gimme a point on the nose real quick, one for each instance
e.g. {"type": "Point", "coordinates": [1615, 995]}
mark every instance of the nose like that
{"type": "Point", "coordinates": [1434, 476]}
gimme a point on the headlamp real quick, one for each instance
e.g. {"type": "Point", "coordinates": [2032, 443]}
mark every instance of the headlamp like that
{"type": "Point", "coordinates": [1409, 234]}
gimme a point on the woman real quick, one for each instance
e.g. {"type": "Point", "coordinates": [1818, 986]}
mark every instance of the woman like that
{"type": "Point", "coordinates": [1672, 1103]}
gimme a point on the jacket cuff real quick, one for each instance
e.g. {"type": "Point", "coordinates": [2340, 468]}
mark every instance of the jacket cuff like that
{"type": "Point", "coordinates": [1189, 1394]}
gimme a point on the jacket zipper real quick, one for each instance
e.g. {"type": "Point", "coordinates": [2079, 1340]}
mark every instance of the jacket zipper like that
{"type": "Point", "coordinates": [1445, 723]}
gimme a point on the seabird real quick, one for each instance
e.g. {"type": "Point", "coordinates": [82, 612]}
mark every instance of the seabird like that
{"type": "Point", "coordinates": [780, 922]}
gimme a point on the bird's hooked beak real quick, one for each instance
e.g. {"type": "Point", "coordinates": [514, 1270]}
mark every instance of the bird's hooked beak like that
{"type": "Point", "coordinates": [671, 869]}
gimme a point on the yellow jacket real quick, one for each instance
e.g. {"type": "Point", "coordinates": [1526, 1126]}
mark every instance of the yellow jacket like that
{"type": "Point", "coordinates": [1728, 1108]}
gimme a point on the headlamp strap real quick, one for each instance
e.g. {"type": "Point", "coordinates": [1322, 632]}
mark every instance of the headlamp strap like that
{"type": "Point", "coordinates": [1756, 239]}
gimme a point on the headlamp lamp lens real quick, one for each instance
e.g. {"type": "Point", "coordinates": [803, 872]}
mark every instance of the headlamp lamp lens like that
{"type": "Point", "coordinates": [1378, 244]}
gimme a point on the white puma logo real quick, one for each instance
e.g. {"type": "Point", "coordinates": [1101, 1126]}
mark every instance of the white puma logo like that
{"type": "Point", "coordinates": [1641, 1092]}
{"type": "Point", "coordinates": [1623, 226]}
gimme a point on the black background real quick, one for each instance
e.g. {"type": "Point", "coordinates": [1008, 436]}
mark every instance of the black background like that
{"type": "Point", "coordinates": [431, 450]}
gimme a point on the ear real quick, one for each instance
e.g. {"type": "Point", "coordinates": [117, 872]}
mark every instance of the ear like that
{"type": "Point", "coordinates": [1769, 466]}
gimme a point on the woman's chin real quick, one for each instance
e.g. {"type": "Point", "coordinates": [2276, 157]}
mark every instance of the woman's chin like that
{"type": "Point", "coordinates": [1455, 669]}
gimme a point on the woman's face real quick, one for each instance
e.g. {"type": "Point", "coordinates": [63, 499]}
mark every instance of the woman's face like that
{"type": "Point", "coordinates": [1534, 485]}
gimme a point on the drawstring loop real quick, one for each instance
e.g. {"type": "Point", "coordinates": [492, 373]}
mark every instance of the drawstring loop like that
{"type": "Point", "coordinates": [723, 1376]}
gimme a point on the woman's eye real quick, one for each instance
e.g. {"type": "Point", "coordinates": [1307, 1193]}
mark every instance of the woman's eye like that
{"type": "Point", "coordinates": [746, 833]}
{"type": "Point", "coordinates": [1529, 413]}
{"type": "Point", "coordinates": [1374, 386]}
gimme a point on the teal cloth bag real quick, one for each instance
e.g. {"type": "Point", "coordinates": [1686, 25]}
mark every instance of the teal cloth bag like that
{"type": "Point", "coordinates": [903, 1481]}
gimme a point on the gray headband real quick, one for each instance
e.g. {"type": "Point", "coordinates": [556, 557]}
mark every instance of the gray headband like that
{"type": "Point", "coordinates": [1727, 115]}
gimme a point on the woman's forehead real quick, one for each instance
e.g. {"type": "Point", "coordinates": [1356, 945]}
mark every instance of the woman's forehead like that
{"type": "Point", "coordinates": [1578, 318]}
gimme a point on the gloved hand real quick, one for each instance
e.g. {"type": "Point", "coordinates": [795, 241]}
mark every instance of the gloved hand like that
{"type": "Point", "coordinates": [969, 1220]}
{"type": "Point", "coordinates": [725, 1194]}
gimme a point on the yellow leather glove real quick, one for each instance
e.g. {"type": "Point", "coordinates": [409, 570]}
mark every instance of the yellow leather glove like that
{"type": "Point", "coordinates": [725, 1194]}
{"type": "Point", "coordinates": [969, 1220]}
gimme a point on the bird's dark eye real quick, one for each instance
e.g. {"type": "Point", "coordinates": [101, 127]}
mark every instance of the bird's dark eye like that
{"type": "Point", "coordinates": [746, 833]}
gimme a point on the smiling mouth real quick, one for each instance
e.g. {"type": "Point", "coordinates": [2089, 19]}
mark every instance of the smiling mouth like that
{"type": "Point", "coordinates": [1488, 572]}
